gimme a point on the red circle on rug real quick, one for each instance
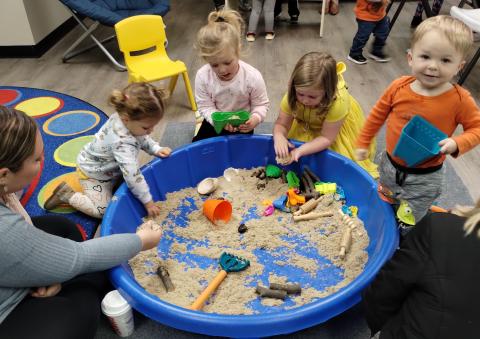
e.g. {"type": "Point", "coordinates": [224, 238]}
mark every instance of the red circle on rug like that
{"type": "Point", "coordinates": [7, 96]}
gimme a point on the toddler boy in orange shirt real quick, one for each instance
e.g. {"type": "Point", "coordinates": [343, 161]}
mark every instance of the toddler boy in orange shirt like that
{"type": "Point", "coordinates": [438, 50]}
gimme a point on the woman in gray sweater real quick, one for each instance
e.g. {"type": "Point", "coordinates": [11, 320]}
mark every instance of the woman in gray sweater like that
{"type": "Point", "coordinates": [51, 282]}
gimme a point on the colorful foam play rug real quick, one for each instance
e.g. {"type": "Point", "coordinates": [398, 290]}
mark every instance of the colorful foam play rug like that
{"type": "Point", "coordinates": [66, 124]}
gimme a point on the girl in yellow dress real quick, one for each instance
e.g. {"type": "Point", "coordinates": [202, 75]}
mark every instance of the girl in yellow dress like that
{"type": "Point", "coordinates": [318, 110]}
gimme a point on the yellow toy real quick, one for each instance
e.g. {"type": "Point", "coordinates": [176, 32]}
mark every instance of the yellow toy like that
{"type": "Point", "coordinates": [404, 213]}
{"type": "Point", "coordinates": [326, 187]}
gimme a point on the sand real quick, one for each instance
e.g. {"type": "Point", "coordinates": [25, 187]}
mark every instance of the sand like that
{"type": "Point", "coordinates": [270, 235]}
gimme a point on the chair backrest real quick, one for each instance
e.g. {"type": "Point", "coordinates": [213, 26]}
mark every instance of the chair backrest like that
{"type": "Point", "coordinates": [141, 33]}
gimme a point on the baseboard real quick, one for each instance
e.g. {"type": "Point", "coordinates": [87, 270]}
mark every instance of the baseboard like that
{"type": "Point", "coordinates": [36, 51]}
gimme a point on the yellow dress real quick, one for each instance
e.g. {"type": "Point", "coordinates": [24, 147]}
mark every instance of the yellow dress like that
{"type": "Point", "coordinates": [308, 122]}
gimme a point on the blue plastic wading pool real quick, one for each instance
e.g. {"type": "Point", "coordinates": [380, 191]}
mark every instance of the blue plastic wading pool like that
{"type": "Point", "coordinates": [186, 167]}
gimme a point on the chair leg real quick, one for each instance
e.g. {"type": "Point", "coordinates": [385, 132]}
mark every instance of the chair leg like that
{"type": "Point", "coordinates": [322, 17]}
{"type": "Point", "coordinates": [466, 71]}
{"type": "Point", "coordinates": [70, 53]}
{"type": "Point", "coordinates": [188, 87]}
{"type": "Point", "coordinates": [397, 12]}
{"type": "Point", "coordinates": [173, 83]}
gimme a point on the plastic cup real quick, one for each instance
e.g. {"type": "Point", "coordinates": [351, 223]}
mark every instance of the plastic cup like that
{"type": "Point", "coordinates": [119, 312]}
{"type": "Point", "coordinates": [215, 210]}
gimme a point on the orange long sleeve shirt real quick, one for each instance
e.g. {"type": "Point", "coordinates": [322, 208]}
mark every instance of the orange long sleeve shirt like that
{"type": "Point", "coordinates": [446, 111]}
{"type": "Point", "coordinates": [364, 10]}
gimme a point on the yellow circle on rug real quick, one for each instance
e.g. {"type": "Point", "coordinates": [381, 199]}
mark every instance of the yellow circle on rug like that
{"type": "Point", "coordinates": [40, 106]}
{"type": "Point", "coordinates": [47, 190]}
{"type": "Point", "coordinates": [71, 123]}
{"type": "Point", "coordinates": [66, 153]}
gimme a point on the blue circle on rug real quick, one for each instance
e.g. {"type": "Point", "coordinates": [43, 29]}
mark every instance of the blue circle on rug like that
{"type": "Point", "coordinates": [71, 123]}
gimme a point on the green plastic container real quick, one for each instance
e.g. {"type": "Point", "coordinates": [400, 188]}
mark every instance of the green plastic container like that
{"type": "Point", "coordinates": [220, 119]}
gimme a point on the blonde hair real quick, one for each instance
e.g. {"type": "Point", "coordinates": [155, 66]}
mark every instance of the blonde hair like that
{"type": "Point", "coordinates": [316, 70]}
{"type": "Point", "coordinates": [19, 133]}
{"type": "Point", "coordinates": [139, 101]}
{"type": "Point", "coordinates": [455, 31]}
{"type": "Point", "coordinates": [473, 215]}
{"type": "Point", "coordinates": [223, 31]}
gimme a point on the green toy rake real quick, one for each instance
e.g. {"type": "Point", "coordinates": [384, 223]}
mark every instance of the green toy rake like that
{"type": "Point", "coordinates": [229, 263]}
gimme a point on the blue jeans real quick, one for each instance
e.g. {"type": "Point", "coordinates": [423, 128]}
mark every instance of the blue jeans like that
{"type": "Point", "coordinates": [379, 28]}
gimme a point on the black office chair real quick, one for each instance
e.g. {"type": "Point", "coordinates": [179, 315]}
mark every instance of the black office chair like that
{"type": "Point", "coordinates": [108, 13]}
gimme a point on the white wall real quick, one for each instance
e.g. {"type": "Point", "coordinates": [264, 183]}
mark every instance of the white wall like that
{"type": "Point", "coordinates": [27, 22]}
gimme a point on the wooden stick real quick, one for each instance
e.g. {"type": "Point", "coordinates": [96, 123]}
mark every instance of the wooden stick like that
{"type": "Point", "coordinates": [310, 183]}
{"type": "Point", "coordinates": [345, 243]}
{"type": "Point", "coordinates": [305, 185]}
{"type": "Point", "coordinates": [347, 220]}
{"type": "Point", "coordinates": [308, 206]}
{"type": "Point", "coordinates": [310, 173]}
{"type": "Point", "coordinates": [289, 288]}
{"type": "Point", "coordinates": [284, 177]}
{"type": "Point", "coordinates": [269, 293]}
{"type": "Point", "coordinates": [311, 216]}
{"type": "Point", "coordinates": [165, 276]}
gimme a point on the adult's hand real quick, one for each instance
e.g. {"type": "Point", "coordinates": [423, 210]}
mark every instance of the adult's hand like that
{"type": "Point", "coordinates": [46, 291]}
{"type": "Point", "coordinates": [150, 234]}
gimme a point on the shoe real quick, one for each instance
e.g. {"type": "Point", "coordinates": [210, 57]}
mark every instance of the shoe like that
{"type": "Point", "coordinates": [294, 19]}
{"type": "Point", "coordinates": [280, 18]}
{"type": "Point", "coordinates": [416, 20]}
{"type": "Point", "coordinates": [250, 37]}
{"type": "Point", "coordinates": [269, 35]}
{"type": "Point", "coordinates": [333, 9]}
{"type": "Point", "coordinates": [61, 194]}
{"type": "Point", "coordinates": [379, 57]}
{"type": "Point", "coordinates": [358, 59]}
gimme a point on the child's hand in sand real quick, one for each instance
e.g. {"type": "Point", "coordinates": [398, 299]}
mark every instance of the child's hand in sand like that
{"type": "Point", "coordinates": [152, 209]}
{"type": "Point", "coordinates": [150, 234]}
{"type": "Point", "coordinates": [282, 147]}
{"type": "Point", "coordinates": [164, 152]}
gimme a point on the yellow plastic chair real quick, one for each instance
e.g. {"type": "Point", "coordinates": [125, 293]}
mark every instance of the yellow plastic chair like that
{"type": "Point", "coordinates": [141, 39]}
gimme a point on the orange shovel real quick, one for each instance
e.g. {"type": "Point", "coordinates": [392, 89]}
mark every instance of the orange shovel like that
{"type": "Point", "coordinates": [229, 263]}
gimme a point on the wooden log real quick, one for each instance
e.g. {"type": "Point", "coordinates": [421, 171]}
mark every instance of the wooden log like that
{"type": "Point", "coordinates": [312, 216]}
{"type": "Point", "coordinates": [165, 277]}
{"type": "Point", "coordinates": [269, 293]}
{"type": "Point", "coordinates": [289, 288]}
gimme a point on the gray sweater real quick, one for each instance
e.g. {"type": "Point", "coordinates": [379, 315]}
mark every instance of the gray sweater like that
{"type": "Point", "coordinates": [31, 258]}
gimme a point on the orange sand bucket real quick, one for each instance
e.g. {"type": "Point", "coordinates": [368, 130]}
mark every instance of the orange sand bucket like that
{"type": "Point", "coordinates": [215, 210]}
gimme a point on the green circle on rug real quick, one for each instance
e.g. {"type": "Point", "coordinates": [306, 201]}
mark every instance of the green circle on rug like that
{"type": "Point", "coordinates": [66, 153]}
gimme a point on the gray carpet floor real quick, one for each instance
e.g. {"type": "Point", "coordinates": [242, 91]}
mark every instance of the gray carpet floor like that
{"type": "Point", "coordinates": [349, 325]}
